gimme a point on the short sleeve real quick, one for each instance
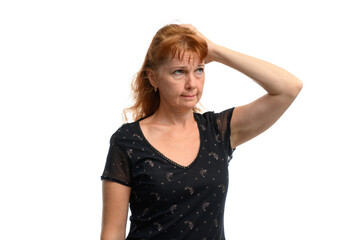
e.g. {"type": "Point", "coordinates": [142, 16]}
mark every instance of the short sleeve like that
{"type": "Point", "coordinates": [118, 166]}
{"type": "Point", "coordinates": [223, 120]}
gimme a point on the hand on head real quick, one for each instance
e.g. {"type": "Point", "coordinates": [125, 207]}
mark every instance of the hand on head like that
{"type": "Point", "coordinates": [210, 44]}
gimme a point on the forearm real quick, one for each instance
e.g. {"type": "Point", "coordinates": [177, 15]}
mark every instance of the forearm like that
{"type": "Point", "coordinates": [109, 231]}
{"type": "Point", "coordinates": [273, 79]}
{"type": "Point", "coordinates": [106, 236]}
{"type": "Point", "coordinates": [115, 210]}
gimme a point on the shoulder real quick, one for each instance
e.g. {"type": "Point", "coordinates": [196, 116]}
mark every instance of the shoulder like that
{"type": "Point", "coordinates": [129, 139]}
{"type": "Point", "coordinates": [214, 117]}
{"type": "Point", "coordinates": [206, 117]}
{"type": "Point", "coordinates": [126, 131]}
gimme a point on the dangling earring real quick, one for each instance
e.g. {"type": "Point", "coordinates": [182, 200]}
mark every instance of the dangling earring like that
{"type": "Point", "coordinates": [155, 89]}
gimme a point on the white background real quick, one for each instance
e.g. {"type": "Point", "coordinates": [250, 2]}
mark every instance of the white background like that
{"type": "Point", "coordinates": [65, 70]}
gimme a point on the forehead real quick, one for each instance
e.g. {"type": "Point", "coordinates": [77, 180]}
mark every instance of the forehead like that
{"type": "Point", "coordinates": [184, 59]}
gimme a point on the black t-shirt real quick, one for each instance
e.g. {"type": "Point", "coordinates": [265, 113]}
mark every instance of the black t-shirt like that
{"type": "Point", "coordinates": [170, 201]}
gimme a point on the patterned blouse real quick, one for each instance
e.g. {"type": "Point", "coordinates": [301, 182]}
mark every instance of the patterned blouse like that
{"type": "Point", "coordinates": [170, 201]}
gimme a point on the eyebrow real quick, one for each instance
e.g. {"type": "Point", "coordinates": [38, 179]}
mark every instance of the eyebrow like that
{"type": "Point", "coordinates": [182, 67]}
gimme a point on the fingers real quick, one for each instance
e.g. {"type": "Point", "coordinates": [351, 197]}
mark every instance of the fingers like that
{"type": "Point", "coordinates": [210, 44]}
{"type": "Point", "coordinates": [192, 28]}
{"type": "Point", "coordinates": [189, 26]}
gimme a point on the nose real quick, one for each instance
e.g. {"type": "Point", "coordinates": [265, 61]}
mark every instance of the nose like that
{"type": "Point", "coordinates": [190, 81]}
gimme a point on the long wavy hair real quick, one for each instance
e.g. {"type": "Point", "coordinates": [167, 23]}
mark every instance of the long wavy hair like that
{"type": "Point", "coordinates": [171, 40]}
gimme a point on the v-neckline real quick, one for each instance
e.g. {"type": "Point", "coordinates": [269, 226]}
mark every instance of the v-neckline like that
{"type": "Point", "coordinates": [166, 158]}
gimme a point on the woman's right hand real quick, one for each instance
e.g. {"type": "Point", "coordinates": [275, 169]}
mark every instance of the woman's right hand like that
{"type": "Point", "coordinates": [211, 46]}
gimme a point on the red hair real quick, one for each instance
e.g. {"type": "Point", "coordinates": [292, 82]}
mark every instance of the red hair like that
{"type": "Point", "coordinates": [170, 41]}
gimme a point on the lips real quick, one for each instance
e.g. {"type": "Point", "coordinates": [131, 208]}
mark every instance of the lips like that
{"type": "Point", "coordinates": [188, 96]}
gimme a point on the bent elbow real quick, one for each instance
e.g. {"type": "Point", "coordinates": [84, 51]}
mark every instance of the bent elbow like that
{"type": "Point", "coordinates": [296, 88]}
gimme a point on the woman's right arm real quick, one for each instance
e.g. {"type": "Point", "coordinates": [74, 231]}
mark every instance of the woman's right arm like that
{"type": "Point", "coordinates": [115, 210]}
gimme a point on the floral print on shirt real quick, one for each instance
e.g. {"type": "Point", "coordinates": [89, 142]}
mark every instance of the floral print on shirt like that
{"type": "Point", "coordinates": [170, 201]}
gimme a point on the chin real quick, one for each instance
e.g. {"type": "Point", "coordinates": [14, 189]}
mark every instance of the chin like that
{"type": "Point", "coordinates": [190, 107]}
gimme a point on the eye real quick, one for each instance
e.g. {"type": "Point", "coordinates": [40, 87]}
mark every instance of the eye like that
{"type": "Point", "coordinates": [178, 72]}
{"type": "Point", "coordinates": [199, 71]}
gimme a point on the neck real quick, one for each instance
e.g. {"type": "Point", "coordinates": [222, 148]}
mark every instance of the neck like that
{"type": "Point", "coordinates": [170, 116]}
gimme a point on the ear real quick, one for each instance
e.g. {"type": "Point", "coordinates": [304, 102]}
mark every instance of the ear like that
{"type": "Point", "coordinates": [152, 77]}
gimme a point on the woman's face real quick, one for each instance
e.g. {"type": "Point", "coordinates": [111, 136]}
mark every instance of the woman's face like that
{"type": "Point", "coordinates": [181, 82]}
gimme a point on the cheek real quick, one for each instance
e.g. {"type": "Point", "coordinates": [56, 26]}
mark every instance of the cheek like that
{"type": "Point", "coordinates": [172, 89]}
{"type": "Point", "coordinates": [200, 85]}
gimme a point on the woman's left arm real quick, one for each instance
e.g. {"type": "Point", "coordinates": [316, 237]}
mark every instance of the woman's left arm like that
{"type": "Point", "coordinates": [282, 87]}
{"type": "Point", "coordinates": [254, 118]}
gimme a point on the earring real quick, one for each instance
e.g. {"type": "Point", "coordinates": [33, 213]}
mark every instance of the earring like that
{"type": "Point", "coordinates": [155, 89]}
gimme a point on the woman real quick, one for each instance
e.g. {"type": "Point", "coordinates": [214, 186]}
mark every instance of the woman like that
{"type": "Point", "coordinates": [171, 163]}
